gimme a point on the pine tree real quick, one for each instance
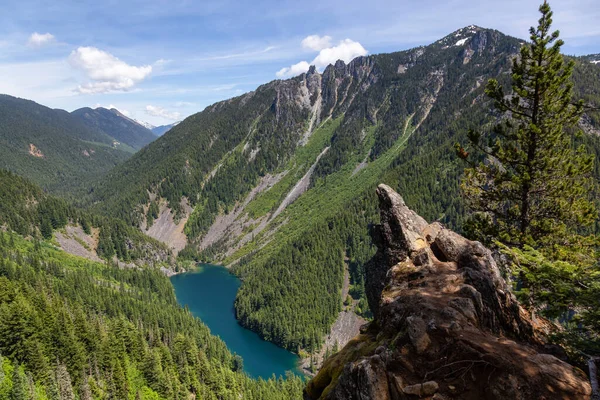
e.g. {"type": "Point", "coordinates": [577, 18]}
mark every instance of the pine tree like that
{"type": "Point", "coordinates": [120, 381]}
{"type": "Point", "coordinates": [532, 185]}
{"type": "Point", "coordinates": [46, 228]}
{"type": "Point", "coordinates": [85, 392]}
{"type": "Point", "coordinates": [530, 191]}
{"type": "Point", "coordinates": [64, 383]}
{"type": "Point", "coordinates": [20, 389]}
{"type": "Point", "coordinates": [52, 391]}
{"type": "Point", "coordinates": [238, 363]}
{"type": "Point", "coordinates": [105, 247]}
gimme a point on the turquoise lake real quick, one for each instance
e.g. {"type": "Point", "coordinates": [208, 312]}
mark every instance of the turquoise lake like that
{"type": "Point", "coordinates": [209, 292]}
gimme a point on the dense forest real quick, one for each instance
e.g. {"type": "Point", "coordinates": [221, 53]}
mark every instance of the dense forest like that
{"type": "Point", "coordinates": [71, 328]}
{"type": "Point", "coordinates": [53, 148]}
{"type": "Point", "coordinates": [26, 209]}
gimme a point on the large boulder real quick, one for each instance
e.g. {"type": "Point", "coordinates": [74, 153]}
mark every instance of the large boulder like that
{"type": "Point", "coordinates": [446, 326]}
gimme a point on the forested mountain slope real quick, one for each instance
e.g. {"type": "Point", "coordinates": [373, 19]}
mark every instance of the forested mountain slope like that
{"type": "Point", "coordinates": [214, 158]}
{"type": "Point", "coordinates": [281, 179]}
{"type": "Point", "coordinates": [115, 125]}
{"type": "Point", "coordinates": [52, 147]}
{"type": "Point", "coordinates": [71, 328]}
{"type": "Point", "coordinates": [27, 210]}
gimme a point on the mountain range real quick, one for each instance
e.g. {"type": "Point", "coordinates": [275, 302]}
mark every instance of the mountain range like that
{"type": "Point", "coordinates": [278, 183]}
{"type": "Point", "coordinates": [54, 148]}
{"type": "Point", "coordinates": [64, 151]}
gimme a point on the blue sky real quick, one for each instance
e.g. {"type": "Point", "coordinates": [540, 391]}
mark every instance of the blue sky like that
{"type": "Point", "coordinates": [160, 61]}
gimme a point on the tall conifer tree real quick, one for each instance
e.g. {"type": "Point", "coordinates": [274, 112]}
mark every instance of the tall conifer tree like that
{"type": "Point", "coordinates": [531, 185]}
{"type": "Point", "coordinates": [530, 189]}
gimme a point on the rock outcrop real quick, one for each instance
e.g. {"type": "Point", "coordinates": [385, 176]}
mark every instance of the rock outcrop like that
{"type": "Point", "coordinates": [446, 326]}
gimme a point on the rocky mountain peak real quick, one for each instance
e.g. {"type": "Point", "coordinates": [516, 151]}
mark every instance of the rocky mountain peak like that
{"type": "Point", "coordinates": [471, 37]}
{"type": "Point", "coordinates": [446, 326]}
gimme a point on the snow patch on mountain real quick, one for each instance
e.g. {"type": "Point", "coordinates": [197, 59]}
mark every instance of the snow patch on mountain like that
{"type": "Point", "coordinates": [146, 125]}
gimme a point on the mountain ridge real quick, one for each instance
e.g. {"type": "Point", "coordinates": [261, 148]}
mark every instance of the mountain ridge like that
{"type": "Point", "coordinates": [52, 147]}
{"type": "Point", "coordinates": [162, 129]}
{"type": "Point", "coordinates": [116, 125]}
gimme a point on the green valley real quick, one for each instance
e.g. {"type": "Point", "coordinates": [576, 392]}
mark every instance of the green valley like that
{"type": "Point", "coordinates": [322, 224]}
{"type": "Point", "coordinates": [288, 185]}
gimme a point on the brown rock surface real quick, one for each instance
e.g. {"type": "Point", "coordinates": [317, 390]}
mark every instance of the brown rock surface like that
{"type": "Point", "coordinates": [447, 325]}
{"type": "Point", "coordinates": [165, 229]}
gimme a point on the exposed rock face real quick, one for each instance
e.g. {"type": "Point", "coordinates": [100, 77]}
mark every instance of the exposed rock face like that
{"type": "Point", "coordinates": [75, 241]}
{"type": "Point", "coordinates": [166, 230]}
{"type": "Point", "coordinates": [446, 325]}
{"type": "Point", "coordinates": [338, 79]}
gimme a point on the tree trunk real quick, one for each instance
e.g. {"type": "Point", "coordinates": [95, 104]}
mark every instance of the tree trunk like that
{"type": "Point", "coordinates": [594, 378]}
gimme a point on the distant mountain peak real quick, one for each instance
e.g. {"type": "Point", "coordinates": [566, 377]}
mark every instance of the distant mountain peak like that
{"type": "Point", "coordinates": [116, 111]}
{"type": "Point", "coordinates": [146, 125]}
{"type": "Point", "coordinates": [117, 125]}
{"type": "Point", "coordinates": [162, 129]}
{"type": "Point", "coordinates": [460, 36]}
{"type": "Point", "coordinates": [592, 58]}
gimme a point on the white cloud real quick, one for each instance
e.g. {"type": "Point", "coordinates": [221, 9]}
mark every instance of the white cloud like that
{"type": "Point", "coordinates": [107, 72]}
{"type": "Point", "coordinates": [316, 42]}
{"type": "Point", "coordinates": [111, 106]}
{"type": "Point", "coordinates": [346, 50]}
{"type": "Point", "coordinates": [293, 70]}
{"type": "Point", "coordinates": [181, 104]}
{"type": "Point", "coordinates": [40, 39]}
{"type": "Point", "coordinates": [156, 111]}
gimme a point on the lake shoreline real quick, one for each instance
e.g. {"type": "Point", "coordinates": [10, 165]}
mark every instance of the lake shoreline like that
{"type": "Point", "coordinates": [209, 291]}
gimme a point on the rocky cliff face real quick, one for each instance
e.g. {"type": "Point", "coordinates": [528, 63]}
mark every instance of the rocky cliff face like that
{"type": "Point", "coordinates": [446, 327]}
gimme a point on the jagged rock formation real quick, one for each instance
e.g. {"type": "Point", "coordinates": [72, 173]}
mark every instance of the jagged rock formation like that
{"type": "Point", "coordinates": [447, 325]}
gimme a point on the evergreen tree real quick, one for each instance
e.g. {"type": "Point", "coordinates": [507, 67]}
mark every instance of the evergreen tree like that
{"type": "Point", "coordinates": [85, 392]}
{"type": "Point", "coordinates": [530, 191]}
{"type": "Point", "coordinates": [20, 389]}
{"type": "Point", "coordinates": [1, 370]}
{"type": "Point", "coordinates": [531, 186]}
{"type": "Point", "coordinates": [238, 363]}
{"type": "Point", "coordinates": [46, 228]}
{"type": "Point", "coordinates": [64, 383]}
{"type": "Point", "coordinates": [52, 387]}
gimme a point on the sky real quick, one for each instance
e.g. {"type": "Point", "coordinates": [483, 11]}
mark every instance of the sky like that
{"type": "Point", "coordinates": [160, 61]}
